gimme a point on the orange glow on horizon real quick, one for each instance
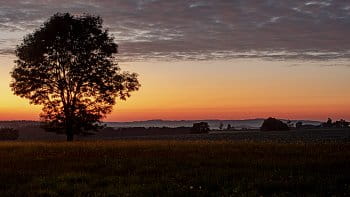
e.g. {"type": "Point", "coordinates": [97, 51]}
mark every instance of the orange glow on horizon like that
{"type": "Point", "coordinates": [234, 89]}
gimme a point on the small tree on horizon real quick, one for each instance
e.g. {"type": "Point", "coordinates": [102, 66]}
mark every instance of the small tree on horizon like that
{"type": "Point", "coordinates": [298, 125]}
{"type": "Point", "coordinates": [329, 123]}
{"type": "Point", "coordinates": [68, 67]}
{"type": "Point", "coordinates": [221, 126]}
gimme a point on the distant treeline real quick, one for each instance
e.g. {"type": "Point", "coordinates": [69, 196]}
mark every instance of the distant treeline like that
{"type": "Point", "coordinates": [273, 124]}
{"type": "Point", "coordinates": [337, 124]}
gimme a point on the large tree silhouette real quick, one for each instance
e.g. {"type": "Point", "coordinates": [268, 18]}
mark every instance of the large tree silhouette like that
{"type": "Point", "coordinates": [68, 66]}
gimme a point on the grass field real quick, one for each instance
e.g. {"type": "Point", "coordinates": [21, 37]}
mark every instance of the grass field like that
{"type": "Point", "coordinates": [174, 168]}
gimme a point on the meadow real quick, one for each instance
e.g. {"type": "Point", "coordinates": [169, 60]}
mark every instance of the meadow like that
{"type": "Point", "coordinates": [174, 168]}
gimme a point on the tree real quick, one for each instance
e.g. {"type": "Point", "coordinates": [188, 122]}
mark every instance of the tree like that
{"type": "Point", "coordinates": [272, 124]}
{"type": "Point", "coordinates": [299, 124]}
{"type": "Point", "coordinates": [229, 127]}
{"type": "Point", "coordinates": [201, 127]}
{"type": "Point", "coordinates": [68, 66]}
{"type": "Point", "coordinates": [221, 126]}
{"type": "Point", "coordinates": [329, 121]}
{"type": "Point", "coordinates": [341, 124]}
{"type": "Point", "coordinates": [328, 124]}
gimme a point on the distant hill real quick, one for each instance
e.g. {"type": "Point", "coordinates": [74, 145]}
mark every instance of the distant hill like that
{"type": "Point", "coordinates": [214, 124]}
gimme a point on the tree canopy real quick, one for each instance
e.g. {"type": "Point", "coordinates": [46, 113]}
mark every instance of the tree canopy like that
{"type": "Point", "coordinates": [69, 67]}
{"type": "Point", "coordinates": [200, 127]}
{"type": "Point", "coordinates": [273, 124]}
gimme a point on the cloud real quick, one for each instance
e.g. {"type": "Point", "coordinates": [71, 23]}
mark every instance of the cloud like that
{"type": "Point", "coordinates": [200, 29]}
{"type": "Point", "coordinates": [319, 3]}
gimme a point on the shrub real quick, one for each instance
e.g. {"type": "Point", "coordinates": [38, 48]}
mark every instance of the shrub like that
{"type": "Point", "coordinates": [298, 125]}
{"type": "Point", "coordinates": [8, 134]}
{"type": "Point", "coordinates": [201, 127]}
{"type": "Point", "coordinates": [272, 124]}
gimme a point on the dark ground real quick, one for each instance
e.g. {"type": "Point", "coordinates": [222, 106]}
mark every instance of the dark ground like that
{"type": "Point", "coordinates": [174, 168]}
{"type": "Point", "coordinates": [159, 163]}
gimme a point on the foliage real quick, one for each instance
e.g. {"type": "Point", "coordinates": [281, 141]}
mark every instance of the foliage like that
{"type": "Point", "coordinates": [8, 134]}
{"type": "Point", "coordinates": [337, 124]}
{"type": "Point", "coordinates": [174, 168]}
{"type": "Point", "coordinates": [221, 126]}
{"type": "Point", "coordinates": [328, 123]}
{"type": "Point", "coordinates": [298, 125]}
{"type": "Point", "coordinates": [341, 124]}
{"type": "Point", "coordinates": [201, 127]}
{"type": "Point", "coordinates": [68, 66]}
{"type": "Point", "coordinates": [272, 124]}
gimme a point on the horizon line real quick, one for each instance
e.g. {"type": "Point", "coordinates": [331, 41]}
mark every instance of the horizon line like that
{"type": "Point", "coordinates": [174, 120]}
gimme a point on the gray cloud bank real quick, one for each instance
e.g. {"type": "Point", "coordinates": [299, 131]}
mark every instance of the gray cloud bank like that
{"type": "Point", "coordinates": [200, 29]}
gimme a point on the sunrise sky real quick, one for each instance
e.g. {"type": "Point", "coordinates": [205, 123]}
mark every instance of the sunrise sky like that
{"type": "Point", "coordinates": [204, 59]}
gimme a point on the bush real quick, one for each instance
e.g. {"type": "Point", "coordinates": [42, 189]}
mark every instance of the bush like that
{"type": "Point", "coordinates": [8, 134]}
{"type": "Point", "coordinates": [272, 124]}
{"type": "Point", "coordinates": [201, 127]}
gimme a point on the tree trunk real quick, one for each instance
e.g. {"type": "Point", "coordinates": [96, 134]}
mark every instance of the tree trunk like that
{"type": "Point", "coordinates": [69, 137]}
{"type": "Point", "coordinates": [69, 132]}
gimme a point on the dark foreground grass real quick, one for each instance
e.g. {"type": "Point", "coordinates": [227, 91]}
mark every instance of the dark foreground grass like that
{"type": "Point", "coordinates": [173, 168]}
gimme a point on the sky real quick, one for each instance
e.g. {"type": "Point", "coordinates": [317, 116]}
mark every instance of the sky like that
{"type": "Point", "coordinates": [205, 59]}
